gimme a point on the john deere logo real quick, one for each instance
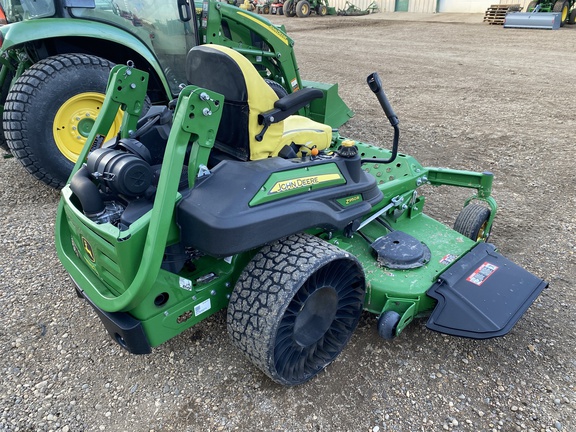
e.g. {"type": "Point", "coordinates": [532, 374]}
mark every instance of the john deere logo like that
{"type": "Point", "coordinates": [302, 182]}
{"type": "Point", "coordinates": [88, 249]}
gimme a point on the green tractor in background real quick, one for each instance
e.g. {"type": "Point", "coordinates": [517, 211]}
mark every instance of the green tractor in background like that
{"type": "Point", "coordinates": [565, 7]}
{"type": "Point", "coordinates": [303, 8]}
{"type": "Point", "coordinates": [56, 56]}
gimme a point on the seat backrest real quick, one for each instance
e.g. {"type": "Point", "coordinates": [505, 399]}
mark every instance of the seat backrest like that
{"type": "Point", "coordinates": [246, 95]}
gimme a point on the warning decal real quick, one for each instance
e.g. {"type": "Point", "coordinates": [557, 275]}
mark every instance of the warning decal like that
{"type": "Point", "coordinates": [482, 273]}
{"type": "Point", "coordinates": [448, 259]}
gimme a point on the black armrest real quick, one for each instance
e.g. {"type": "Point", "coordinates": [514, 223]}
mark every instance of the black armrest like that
{"type": "Point", "coordinates": [294, 101]}
{"type": "Point", "coordinates": [287, 106]}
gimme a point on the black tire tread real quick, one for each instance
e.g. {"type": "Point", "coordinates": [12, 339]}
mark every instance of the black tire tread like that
{"type": "Point", "coordinates": [559, 7]}
{"type": "Point", "coordinates": [471, 219]}
{"type": "Point", "coordinates": [290, 8]}
{"type": "Point", "coordinates": [387, 324]}
{"type": "Point", "coordinates": [20, 98]}
{"type": "Point", "coordinates": [300, 5]}
{"type": "Point", "coordinates": [259, 295]}
{"type": "Point", "coordinates": [572, 16]}
{"type": "Point", "coordinates": [277, 87]}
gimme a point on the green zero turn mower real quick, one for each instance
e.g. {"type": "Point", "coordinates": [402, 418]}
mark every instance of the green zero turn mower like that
{"type": "Point", "coordinates": [228, 199]}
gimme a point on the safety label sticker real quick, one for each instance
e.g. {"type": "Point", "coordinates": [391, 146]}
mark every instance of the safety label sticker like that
{"type": "Point", "coordinates": [294, 85]}
{"type": "Point", "coordinates": [448, 259]}
{"type": "Point", "coordinates": [186, 284]}
{"type": "Point", "coordinates": [202, 307]}
{"type": "Point", "coordinates": [482, 273]}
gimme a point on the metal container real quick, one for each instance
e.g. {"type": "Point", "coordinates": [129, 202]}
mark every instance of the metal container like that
{"type": "Point", "coordinates": [537, 20]}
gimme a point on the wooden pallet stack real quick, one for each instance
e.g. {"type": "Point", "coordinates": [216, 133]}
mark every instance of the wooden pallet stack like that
{"type": "Point", "coordinates": [495, 14]}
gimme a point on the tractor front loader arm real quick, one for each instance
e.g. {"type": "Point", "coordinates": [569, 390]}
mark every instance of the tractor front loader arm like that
{"type": "Point", "coordinates": [271, 50]}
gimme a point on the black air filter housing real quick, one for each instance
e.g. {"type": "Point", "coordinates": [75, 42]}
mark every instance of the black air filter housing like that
{"type": "Point", "coordinates": [123, 173]}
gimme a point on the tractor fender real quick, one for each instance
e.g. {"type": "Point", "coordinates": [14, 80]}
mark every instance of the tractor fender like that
{"type": "Point", "coordinates": [14, 36]}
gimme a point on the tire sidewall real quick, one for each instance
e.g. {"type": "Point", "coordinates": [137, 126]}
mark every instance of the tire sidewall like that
{"type": "Point", "coordinates": [260, 340]}
{"type": "Point", "coordinates": [44, 102]}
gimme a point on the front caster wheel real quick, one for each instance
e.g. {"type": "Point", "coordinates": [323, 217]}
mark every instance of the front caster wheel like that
{"type": "Point", "coordinates": [295, 307]}
{"type": "Point", "coordinates": [472, 222]}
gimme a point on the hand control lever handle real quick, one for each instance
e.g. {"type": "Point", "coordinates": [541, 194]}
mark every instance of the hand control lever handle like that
{"type": "Point", "coordinates": [375, 85]}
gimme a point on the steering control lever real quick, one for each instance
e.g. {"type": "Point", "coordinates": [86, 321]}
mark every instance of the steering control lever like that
{"type": "Point", "coordinates": [376, 86]}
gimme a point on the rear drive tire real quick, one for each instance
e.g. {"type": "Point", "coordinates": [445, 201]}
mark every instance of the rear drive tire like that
{"type": "Point", "coordinates": [572, 17]}
{"type": "Point", "coordinates": [50, 110]}
{"type": "Point", "coordinates": [277, 87]}
{"type": "Point", "coordinates": [303, 8]}
{"type": "Point", "coordinates": [3, 95]}
{"type": "Point", "coordinates": [295, 307]}
{"type": "Point", "coordinates": [531, 6]}
{"type": "Point", "coordinates": [472, 222]}
{"type": "Point", "coordinates": [289, 8]}
{"type": "Point", "coordinates": [563, 7]}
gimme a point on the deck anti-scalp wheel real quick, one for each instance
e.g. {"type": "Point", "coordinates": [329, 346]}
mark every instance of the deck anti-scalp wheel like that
{"type": "Point", "coordinates": [388, 324]}
{"type": "Point", "coordinates": [472, 222]}
{"type": "Point", "coordinates": [295, 307]}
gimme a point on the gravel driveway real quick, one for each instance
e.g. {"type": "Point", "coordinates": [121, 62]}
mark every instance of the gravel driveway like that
{"type": "Point", "coordinates": [469, 96]}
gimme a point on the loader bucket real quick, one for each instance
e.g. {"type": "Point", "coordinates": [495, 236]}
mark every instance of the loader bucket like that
{"type": "Point", "coordinates": [535, 20]}
{"type": "Point", "coordinates": [330, 109]}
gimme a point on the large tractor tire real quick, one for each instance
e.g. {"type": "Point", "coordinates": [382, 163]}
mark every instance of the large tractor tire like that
{"type": "Point", "coordinates": [321, 10]}
{"type": "Point", "coordinates": [562, 6]}
{"type": "Point", "coordinates": [572, 17]}
{"type": "Point", "coordinates": [289, 8]}
{"type": "Point", "coordinates": [3, 95]}
{"type": "Point", "coordinates": [50, 110]}
{"type": "Point", "coordinates": [295, 307]}
{"type": "Point", "coordinates": [303, 8]}
{"type": "Point", "coordinates": [531, 6]}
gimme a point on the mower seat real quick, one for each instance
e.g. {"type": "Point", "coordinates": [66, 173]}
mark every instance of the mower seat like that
{"type": "Point", "coordinates": [255, 123]}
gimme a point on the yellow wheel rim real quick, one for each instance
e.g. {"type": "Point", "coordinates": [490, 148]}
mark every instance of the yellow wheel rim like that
{"type": "Point", "coordinates": [482, 231]}
{"type": "Point", "coordinates": [75, 119]}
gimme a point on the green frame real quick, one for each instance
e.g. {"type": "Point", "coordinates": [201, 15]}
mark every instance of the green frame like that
{"type": "Point", "coordinates": [120, 270]}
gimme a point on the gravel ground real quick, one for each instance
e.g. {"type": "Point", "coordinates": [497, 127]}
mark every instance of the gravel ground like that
{"type": "Point", "coordinates": [468, 96]}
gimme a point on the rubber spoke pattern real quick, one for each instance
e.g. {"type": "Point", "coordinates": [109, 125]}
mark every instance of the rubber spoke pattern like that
{"type": "Point", "coordinates": [271, 294]}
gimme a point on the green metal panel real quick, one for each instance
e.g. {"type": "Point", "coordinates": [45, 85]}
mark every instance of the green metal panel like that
{"type": "Point", "coordinates": [17, 34]}
{"type": "Point", "coordinates": [330, 109]}
{"type": "Point", "coordinates": [401, 5]}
